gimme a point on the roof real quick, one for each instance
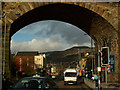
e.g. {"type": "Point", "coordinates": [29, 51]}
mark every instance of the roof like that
{"type": "Point", "coordinates": [27, 53]}
{"type": "Point", "coordinates": [70, 70]}
{"type": "Point", "coordinates": [34, 77]}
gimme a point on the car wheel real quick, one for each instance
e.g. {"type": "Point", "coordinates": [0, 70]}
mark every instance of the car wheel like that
{"type": "Point", "coordinates": [65, 83]}
{"type": "Point", "coordinates": [76, 82]}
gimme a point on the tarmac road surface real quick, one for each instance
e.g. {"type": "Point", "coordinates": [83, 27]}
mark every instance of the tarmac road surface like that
{"type": "Point", "coordinates": [80, 85]}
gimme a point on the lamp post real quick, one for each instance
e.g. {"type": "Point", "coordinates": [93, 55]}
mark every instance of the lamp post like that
{"type": "Point", "coordinates": [91, 53]}
{"type": "Point", "coordinates": [79, 56]}
{"type": "Point", "coordinates": [98, 70]}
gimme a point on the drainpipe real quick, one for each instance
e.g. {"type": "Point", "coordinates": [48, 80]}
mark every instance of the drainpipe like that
{"type": "Point", "coordinates": [4, 46]}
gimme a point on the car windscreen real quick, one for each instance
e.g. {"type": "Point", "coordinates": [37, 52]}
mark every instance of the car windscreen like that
{"type": "Point", "coordinates": [29, 83]}
{"type": "Point", "coordinates": [70, 74]}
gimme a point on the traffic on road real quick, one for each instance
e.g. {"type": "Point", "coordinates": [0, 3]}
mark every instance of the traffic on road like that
{"type": "Point", "coordinates": [38, 82]}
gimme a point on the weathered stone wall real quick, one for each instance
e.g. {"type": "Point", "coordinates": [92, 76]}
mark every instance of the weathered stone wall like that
{"type": "Point", "coordinates": [113, 48]}
{"type": "Point", "coordinates": [107, 10]}
{"type": "Point", "coordinates": [107, 36]}
{"type": "Point", "coordinates": [112, 77]}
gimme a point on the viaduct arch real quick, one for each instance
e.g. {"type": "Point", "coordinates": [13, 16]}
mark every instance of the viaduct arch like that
{"type": "Point", "coordinates": [99, 20]}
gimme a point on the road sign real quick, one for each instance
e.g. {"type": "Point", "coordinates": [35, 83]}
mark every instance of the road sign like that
{"type": "Point", "coordinates": [103, 68]}
{"type": "Point", "coordinates": [112, 63]}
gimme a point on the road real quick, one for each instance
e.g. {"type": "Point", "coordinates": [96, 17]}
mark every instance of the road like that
{"type": "Point", "coordinates": [79, 86]}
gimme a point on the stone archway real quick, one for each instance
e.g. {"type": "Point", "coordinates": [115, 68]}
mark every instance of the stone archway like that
{"type": "Point", "coordinates": [92, 23]}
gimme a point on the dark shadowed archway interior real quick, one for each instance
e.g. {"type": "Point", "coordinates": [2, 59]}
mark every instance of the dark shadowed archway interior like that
{"type": "Point", "coordinates": [73, 14]}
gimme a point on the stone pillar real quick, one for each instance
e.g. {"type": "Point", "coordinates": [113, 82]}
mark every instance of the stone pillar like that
{"type": "Point", "coordinates": [113, 50]}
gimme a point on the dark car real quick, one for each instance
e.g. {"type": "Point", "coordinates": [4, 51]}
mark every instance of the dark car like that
{"type": "Point", "coordinates": [6, 83]}
{"type": "Point", "coordinates": [36, 83]}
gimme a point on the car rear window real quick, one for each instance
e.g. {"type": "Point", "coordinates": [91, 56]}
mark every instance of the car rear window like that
{"type": "Point", "coordinates": [21, 83]}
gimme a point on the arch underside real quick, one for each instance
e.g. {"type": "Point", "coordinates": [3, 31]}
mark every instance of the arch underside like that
{"type": "Point", "coordinates": [87, 20]}
{"type": "Point", "coordinates": [98, 28]}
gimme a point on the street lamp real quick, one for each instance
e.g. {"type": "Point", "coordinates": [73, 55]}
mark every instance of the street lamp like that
{"type": "Point", "coordinates": [91, 53]}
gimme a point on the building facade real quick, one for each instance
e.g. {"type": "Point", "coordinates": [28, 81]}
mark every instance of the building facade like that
{"type": "Point", "coordinates": [28, 62]}
{"type": "Point", "coordinates": [39, 61]}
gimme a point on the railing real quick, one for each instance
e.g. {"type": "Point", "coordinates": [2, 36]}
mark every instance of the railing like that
{"type": "Point", "coordinates": [90, 83]}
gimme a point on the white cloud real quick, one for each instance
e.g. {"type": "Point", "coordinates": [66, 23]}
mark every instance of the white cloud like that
{"type": "Point", "coordinates": [54, 43]}
{"type": "Point", "coordinates": [51, 36]}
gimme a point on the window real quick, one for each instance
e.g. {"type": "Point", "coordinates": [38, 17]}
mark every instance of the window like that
{"type": "Point", "coordinates": [70, 74]}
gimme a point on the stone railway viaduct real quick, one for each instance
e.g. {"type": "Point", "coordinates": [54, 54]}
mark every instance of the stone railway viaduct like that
{"type": "Point", "coordinates": [100, 20]}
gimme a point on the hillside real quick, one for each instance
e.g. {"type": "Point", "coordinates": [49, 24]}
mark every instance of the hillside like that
{"type": "Point", "coordinates": [67, 55]}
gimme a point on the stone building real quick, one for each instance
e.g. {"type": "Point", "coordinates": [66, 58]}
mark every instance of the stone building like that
{"type": "Point", "coordinates": [29, 61]}
{"type": "Point", "coordinates": [39, 61]}
{"type": "Point", "coordinates": [24, 61]}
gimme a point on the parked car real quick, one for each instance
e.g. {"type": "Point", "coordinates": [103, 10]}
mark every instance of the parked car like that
{"type": "Point", "coordinates": [6, 83]}
{"type": "Point", "coordinates": [35, 83]}
{"type": "Point", "coordinates": [36, 75]}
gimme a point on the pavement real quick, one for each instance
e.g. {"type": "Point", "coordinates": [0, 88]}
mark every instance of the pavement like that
{"type": "Point", "coordinates": [104, 86]}
{"type": "Point", "coordinates": [111, 86]}
{"type": "Point", "coordinates": [80, 85]}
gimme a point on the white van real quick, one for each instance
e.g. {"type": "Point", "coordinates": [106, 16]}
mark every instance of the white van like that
{"type": "Point", "coordinates": [70, 76]}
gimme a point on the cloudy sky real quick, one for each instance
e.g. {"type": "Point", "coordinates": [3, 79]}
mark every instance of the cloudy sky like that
{"type": "Point", "coordinates": [48, 35]}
